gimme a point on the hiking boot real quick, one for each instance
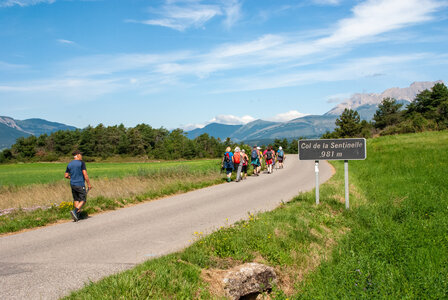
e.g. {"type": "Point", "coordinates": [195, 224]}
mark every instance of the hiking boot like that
{"type": "Point", "coordinates": [74, 215]}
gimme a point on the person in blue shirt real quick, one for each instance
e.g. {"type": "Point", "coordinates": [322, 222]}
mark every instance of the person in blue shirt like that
{"type": "Point", "coordinates": [77, 173]}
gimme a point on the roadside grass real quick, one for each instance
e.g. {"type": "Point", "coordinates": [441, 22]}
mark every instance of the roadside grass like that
{"type": "Point", "coordinates": [24, 174]}
{"type": "Point", "coordinates": [398, 243]}
{"type": "Point", "coordinates": [392, 243]}
{"type": "Point", "coordinates": [294, 239]}
{"type": "Point", "coordinates": [53, 201]}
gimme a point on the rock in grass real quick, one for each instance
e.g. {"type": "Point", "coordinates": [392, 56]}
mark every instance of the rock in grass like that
{"type": "Point", "coordinates": [248, 279]}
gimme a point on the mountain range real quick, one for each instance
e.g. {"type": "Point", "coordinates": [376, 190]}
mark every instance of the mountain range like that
{"type": "Point", "coordinates": [311, 126]}
{"type": "Point", "coordinates": [11, 129]}
{"type": "Point", "coordinates": [258, 131]}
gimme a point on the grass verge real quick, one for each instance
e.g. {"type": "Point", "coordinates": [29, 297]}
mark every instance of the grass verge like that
{"type": "Point", "coordinates": [391, 244]}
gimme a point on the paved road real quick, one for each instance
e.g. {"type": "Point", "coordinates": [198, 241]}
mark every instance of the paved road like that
{"type": "Point", "coordinates": [50, 262]}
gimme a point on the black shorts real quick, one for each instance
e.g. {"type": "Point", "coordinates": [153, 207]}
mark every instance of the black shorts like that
{"type": "Point", "coordinates": [79, 193]}
{"type": "Point", "coordinates": [244, 169]}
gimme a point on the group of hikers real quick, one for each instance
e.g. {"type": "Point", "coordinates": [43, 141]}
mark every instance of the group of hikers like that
{"type": "Point", "coordinates": [239, 161]}
{"type": "Point", "coordinates": [76, 170]}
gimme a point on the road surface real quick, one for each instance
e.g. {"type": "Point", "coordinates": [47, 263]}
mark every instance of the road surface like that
{"type": "Point", "coordinates": [49, 262]}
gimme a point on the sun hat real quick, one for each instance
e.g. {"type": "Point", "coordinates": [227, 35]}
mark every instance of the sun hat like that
{"type": "Point", "coordinates": [280, 148]}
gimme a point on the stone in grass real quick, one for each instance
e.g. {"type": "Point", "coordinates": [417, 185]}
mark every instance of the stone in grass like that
{"type": "Point", "coordinates": [248, 279]}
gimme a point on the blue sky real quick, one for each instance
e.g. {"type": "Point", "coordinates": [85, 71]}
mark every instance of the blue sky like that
{"type": "Point", "coordinates": [185, 63]}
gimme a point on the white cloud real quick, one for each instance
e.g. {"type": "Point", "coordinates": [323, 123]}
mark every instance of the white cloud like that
{"type": "Point", "coordinates": [221, 119]}
{"type": "Point", "coordinates": [181, 15]}
{"type": "Point", "coordinates": [287, 116]}
{"type": "Point", "coordinates": [180, 18]}
{"type": "Point", "coordinates": [232, 10]}
{"type": "Point", "coordinates": [232, 120]}
{"type": "Point", "coordinates": [327, 2]}
{"type": "Point", "coordinates": [190, 127]}
{"type": "Point", "coordinates": [23, 3]}
{"type": "Point", "coordinates": [66, 42]}
{"type": "Point", "coordinates": [374, 17]}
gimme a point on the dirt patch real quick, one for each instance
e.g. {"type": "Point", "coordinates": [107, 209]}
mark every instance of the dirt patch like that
{"type": "Point", "coordinates": [214, 278]}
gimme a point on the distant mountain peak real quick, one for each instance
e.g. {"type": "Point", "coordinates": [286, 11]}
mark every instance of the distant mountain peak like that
{"type": "Point", "coordinates": [10, 122]}
{"type": "Point", "coordinates": [12, 129]}
{"type": "Point", "coordinates": [361, 99]}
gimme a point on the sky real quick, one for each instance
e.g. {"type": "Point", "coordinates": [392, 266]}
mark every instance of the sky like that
{"type": "Point", "coordinates": [187, 63]}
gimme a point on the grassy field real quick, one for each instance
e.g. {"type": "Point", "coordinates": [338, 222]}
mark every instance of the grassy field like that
{"type": "Point", "coordinates": [42, 173]}
{"type": "Point", "coordinates": [392, 243]}
{"type": "Point", "coordinates": [115, 186]}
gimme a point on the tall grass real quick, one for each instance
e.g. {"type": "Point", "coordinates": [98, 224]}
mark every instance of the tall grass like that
{"type": "Point", "coordinates": [17, 175]}
{"type": "Point", "coordinates": [52, 202]}
{"type": "Point", "coordinates": [146, 179]}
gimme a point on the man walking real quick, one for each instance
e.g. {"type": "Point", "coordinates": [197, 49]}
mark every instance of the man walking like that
{"type": "Point", "coordinates": [77, 173]}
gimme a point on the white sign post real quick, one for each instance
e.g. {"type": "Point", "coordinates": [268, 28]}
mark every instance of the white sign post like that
{"type": "Point", "coordinates": [333, 149]}
{"type": "Point", "coordinates": [316, 169]}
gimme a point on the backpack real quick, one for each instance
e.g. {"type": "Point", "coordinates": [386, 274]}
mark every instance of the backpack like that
{"type": "Point", "coordinates": [269, 155]}
{"type": "Point", "coordinates": [227, 157]}
{"type": "Point", "coordinates": [280, 153]}
{"type": "Point", "coordinates": [254, 155]}
{"type": "Point", "coordinates": [237, 157]}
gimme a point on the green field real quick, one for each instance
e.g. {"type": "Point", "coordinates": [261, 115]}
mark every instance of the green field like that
{"type": "Point", "coordinates": [391, 244]}
{"type": "Point", "coordinates": [398, 243]}
{"type": "Point", "coordinates": [40, 173]}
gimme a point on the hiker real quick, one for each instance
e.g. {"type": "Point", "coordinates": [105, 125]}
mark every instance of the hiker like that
{"type": "Point", "coordinates": [245, 160]}
{"type": "Point", "coordinates": [268, 156]}
{"type": "Point", "coordinates": [238, 163]}
{"type": "Point", "coordinates": [227, 163]}
{"type": "Point", "coordinates": [77, 173]}
{"type": "Point", "coordinates": [255, 160]}
{"type": "Point", "coordinates": [260, 157]}
{"type": "Point", "coordinates": [280, 157]}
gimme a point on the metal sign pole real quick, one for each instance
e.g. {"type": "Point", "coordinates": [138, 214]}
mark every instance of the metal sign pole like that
{"type": "Point", "coordinates": [316, 169]}
{"type": "Point", "coordinates": [347, 202]}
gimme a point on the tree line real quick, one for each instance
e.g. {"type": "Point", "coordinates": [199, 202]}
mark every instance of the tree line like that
{"type": "Point", "coordinates": [428, 111]}
{"type": "Point", "coordinates": [106, 141]}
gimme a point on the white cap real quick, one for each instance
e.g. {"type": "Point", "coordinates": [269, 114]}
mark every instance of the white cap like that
{"type": "Point", "coordinates": [280, 148]}
{"type": "Point", "coordinates": [237, 149]}
{"type": "Point", "coordinates": [244, 151]}
{"type": "Point", "coordinates": [258, 148]}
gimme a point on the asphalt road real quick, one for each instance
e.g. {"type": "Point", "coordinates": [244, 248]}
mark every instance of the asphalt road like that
{"type": "Point", "coordinates": [50, 262]}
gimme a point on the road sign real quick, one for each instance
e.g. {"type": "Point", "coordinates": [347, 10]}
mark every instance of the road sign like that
{"type": "Point", "coordinates": [332, 149]}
